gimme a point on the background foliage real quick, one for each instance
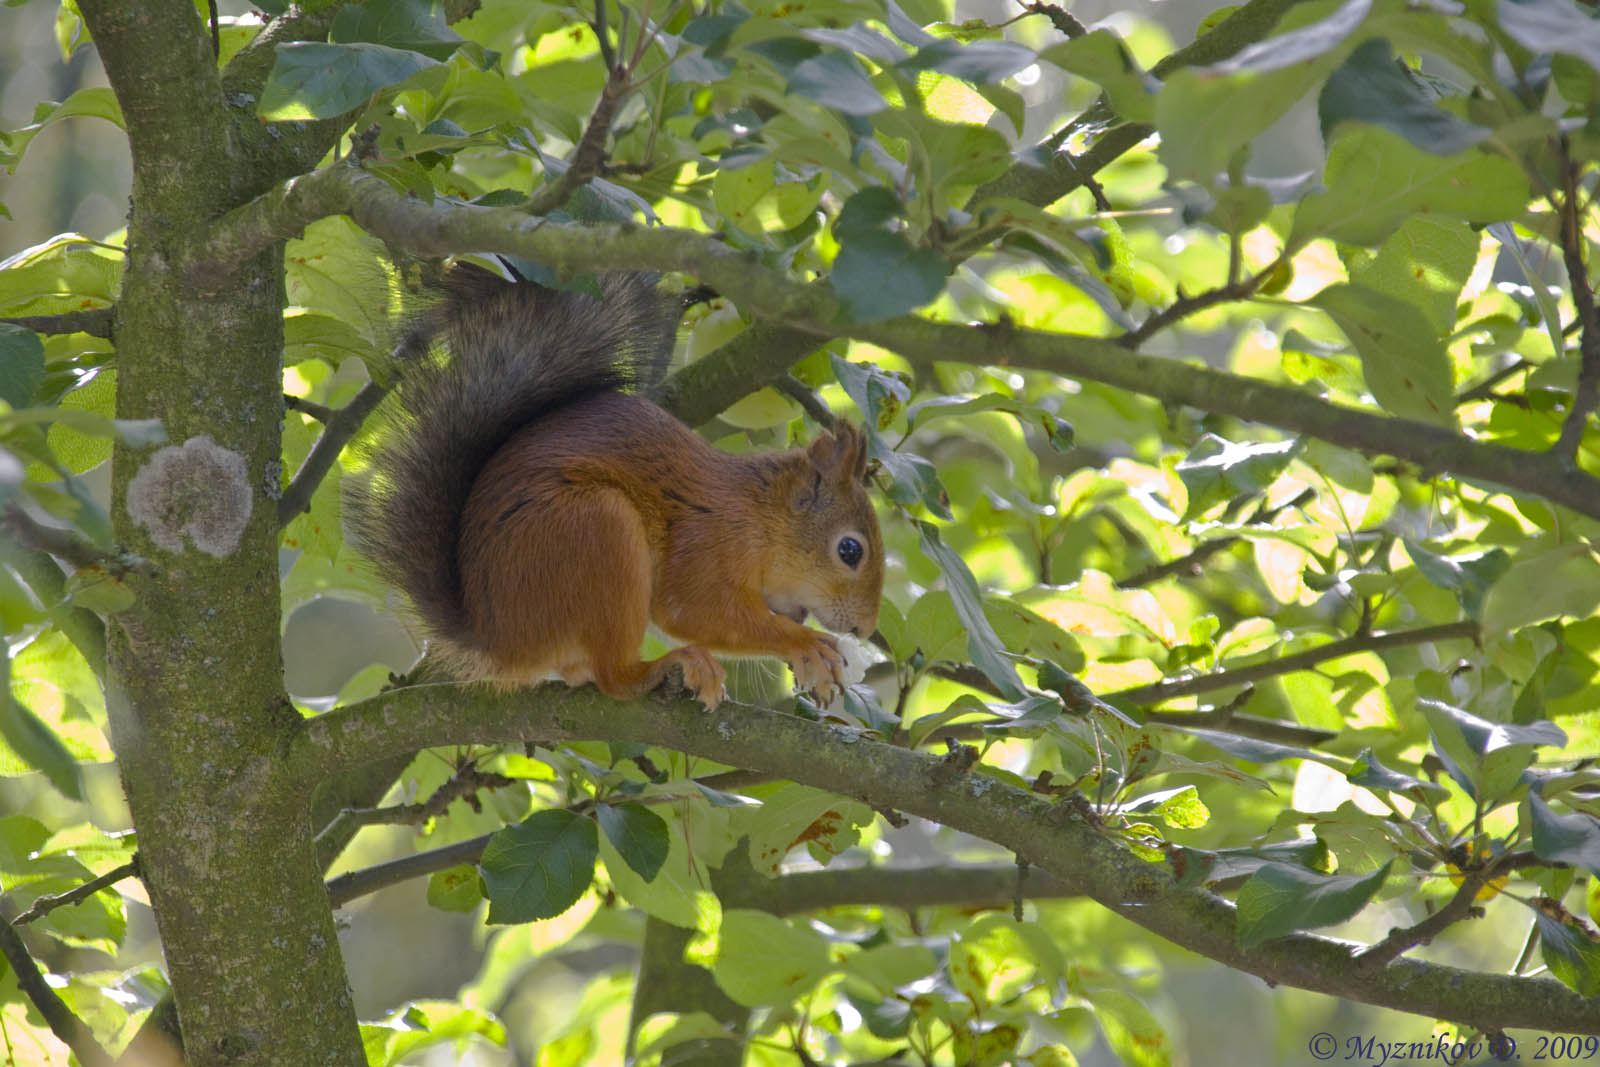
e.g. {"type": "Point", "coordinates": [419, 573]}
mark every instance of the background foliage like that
{"type": "Point", "coordinates": [1258, 506]}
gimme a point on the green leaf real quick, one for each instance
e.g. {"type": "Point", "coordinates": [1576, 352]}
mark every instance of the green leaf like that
{"type": "Point", "coordinates": [311, 80]}
{"type": "Point", "coordinates": [1571, 953]}
{"type": "Point", "coordinates": [408, 25]}
{"type": "Point", "coordinates": [1058, 431]}
{"type": "Point", "coordinates": [737, 191]}
{"type": "Point", "coordinates": [1545, 583]}
{"type": "Point", "coordinates": [761, 959]}
{"type": "Point", "coordinates": [458, 889]}
{"type": "Point", "coordinates": [1217, 470]}
{"type": "Point", "coordinates": [1483, 737]}
{"type": "Point", "coordinates": [1207, 114]}
{"type": "Point", "coordinates": [1299, 46]}
{"type": "Point", "coordinates": [1023, 630]}
{"type": "Point", "coordinates": [1372, 86]}
{"type": "Point", "coordinates": [836, 80]}
{"type": "Point", "coordinates": [799, 815]}
{"type": "Point", "coordinates": [983, 644]}
{"type": "Point", "coordinates": [426, 1024]}
{"type": "Point", "coordinates": [1180, 807]}
{"type": "Point", "coordinates": [1366, 771]}
{"type": "Point", "coordinates": [539, 868]}
{"type": "Point", "coordinates": [695, 1026]}
{"type": "Point", "coordinates": [1572, 839]}
{"type": "Point", "coordinates": [21, 365]}
{"type": "Point", "coordinates": [880, 396]}
{"type": "Point", "coordinates": [878, 275]}
{"type": "Point", "coordinates": [1426, 262]}
{"type": "Point", "coordinates": [1402, 359]}
{"type": "Point", "coordinates": [1249, 749]}
{"type": "Point", "coordinates": [981, 62]}
{"type": "Point", "coordinates": [1199, 867]}
{"type": "Point", "coordinates": [1134, 1034]}
{"type": "Point", "coordinates": [638, 834]}
{"type": "Point", "coordinates": [39, 747]}
{"type": "Point", "coordinates": [887, 967]}
{"type": "Point", "coordinates": [1376, 180]}
{"type": "Point", "coordinates": [1558, 26]}
{"type": "Point", "coordinates": [96, 102]}
{"type": "Point", "coordinates": [677, 894]}
{"type": "Point", "coordinates": [1469, 576]}
{"type": "Point", "coordinates": [870, 209]}
{"type": "Point", "coordinates": [1103, 58]}
{"type": "Point", "coordinates": [1280, 899]}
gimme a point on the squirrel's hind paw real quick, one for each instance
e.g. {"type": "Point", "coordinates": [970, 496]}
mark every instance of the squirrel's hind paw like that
{"type": "Point", "coordinates": [703, 676]}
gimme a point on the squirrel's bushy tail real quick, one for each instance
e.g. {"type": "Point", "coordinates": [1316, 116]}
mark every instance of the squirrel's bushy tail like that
{"type": "Point", "coordinates": [491, 357]}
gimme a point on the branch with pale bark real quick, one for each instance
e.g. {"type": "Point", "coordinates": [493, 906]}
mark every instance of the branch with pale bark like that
{"type": "Point", "coordinates": [1054, 836]}
{"type": "Point", "coordinates": [441, 229]}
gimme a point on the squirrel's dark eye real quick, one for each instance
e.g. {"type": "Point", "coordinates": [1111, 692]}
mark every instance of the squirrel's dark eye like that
{"type": "Point", "coordinates": [850, 551]}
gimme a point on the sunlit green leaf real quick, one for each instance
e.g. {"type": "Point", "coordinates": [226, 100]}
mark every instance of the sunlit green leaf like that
{"type": "Point", "coordinates": [762, 959]}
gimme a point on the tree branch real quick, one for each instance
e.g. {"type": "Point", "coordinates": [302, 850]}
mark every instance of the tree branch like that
{"type": "Point", "coordinates": [69, 545]}
{"type": "Point", "coordinates": [441, 228]}
{"type": "Point", "coordinates": [1587, 392]}
{"type": "Point", "coordinates": [1299, 661]}
{"type": "Point", "coordinates": [336, 433]}
{"type": "Point", "coordinates": [85, 629]}
{"type": "Point", "coordinates": [1185, 306]}
{"type": "Point", "coordinates": [1065, 172]}
{"type": "Point", "coordinates": [1054, 836]}
{"type": "Point", "coordinates": [97, 322]}
{"type": "Point", "coordinates": [464, 784]}
{"type": "Point", "coordinates": [62, 1022]}
{"type": "Point", "coordinates": [51, 901]}
{"type": "Point", "coordinates": [1461, 906]}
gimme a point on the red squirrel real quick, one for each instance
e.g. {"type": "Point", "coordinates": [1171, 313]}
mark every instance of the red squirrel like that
{"type": "Point", "coordinates": [539, 517]}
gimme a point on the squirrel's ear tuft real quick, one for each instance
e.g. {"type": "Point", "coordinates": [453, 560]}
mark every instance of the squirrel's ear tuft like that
{"type": "Point", "coordinates": [842, 453]}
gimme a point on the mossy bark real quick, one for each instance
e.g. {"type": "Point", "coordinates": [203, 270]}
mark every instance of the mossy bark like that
{"type": "Point", "coordinates": [198, 712]}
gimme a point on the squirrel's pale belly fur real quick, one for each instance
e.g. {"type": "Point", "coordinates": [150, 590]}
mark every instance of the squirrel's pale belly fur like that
{"type": "Point", "coordinates": [598, 513]}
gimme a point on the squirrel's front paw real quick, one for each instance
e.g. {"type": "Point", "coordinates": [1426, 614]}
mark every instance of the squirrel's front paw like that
{"type": "Point", "coordinates": [819, 669]}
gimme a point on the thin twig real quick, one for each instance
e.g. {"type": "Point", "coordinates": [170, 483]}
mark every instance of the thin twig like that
{"type": "Point", "coordinates": [72, 1031]}
{"type": "Point", "coordinates": [1484, 390]}
{"type": "Point", "coordinates": [796, 390]}
{"type": "Point", "coordinates": [464, 784]}
{"type": "Point", "coordinates": [1204, 683]}
{"type": "Point", "coordinates": [321, 412]}
{"type": "Point", "coordinates": [1587, 393]}
{"type": "Point", "coordinates": [1062, 20]}
{"type": "Point", "coordinates": [336, 433]}
{"type": "Point", "coordinates": [1185, 306]}
{"type": "Point", "coordinates": [359, 883]}
{"type": "Point", "coordinates": [1190, 562]}
{"type": "Point", "coordinates": [589, 155]}
{"type": "Point", "coordinates": [1461, 906]}
{"type": "Point", "coordinates": [51, 901]}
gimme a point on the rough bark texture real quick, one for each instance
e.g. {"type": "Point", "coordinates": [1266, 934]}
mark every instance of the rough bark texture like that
{"type": "Point", "coordinates": [196, 697]}
{"type": "Point", "coordinates": [1060, 837]}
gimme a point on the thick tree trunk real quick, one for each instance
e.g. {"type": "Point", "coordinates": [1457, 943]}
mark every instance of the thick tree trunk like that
{"type": "Point", "coordinates": [197, 706]}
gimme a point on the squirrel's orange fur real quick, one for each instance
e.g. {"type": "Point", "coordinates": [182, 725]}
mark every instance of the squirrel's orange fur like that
{"type": "Point", "coordinates": [588, 513]}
